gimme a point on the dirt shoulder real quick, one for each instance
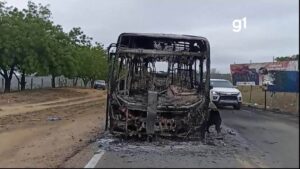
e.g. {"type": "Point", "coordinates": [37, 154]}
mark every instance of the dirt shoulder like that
{"type": "Point", "coordinates": [46, 132]}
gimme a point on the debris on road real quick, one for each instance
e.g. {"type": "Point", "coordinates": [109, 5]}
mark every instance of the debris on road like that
{"type": "Point", "coordinates": [211, 143]}
{"type": "Point", "coordinates": [104, 143]}
{"type": "Point", "coordinates": [219, 138]}
{"type": "Point", "coordinates": [215, 147]}
{"type": "Point", "coordinates": [231, 132]}
{"type": "Point", "coordinates": [53, 118]}
{"type": "Point", "coordinates": [214, 140]}
{"type": "Point", "coordinates": [270, 142]}
{"type": "Point", "coordinates": [222, 142]}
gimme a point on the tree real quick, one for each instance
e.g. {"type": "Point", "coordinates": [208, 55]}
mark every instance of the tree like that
{"type": "Point", "coordinates": [58, 60]}
{"type": "Point", "coordinates": [93, 65]}
{"type": "Point", "coordinates": [287, 58]}
{"type": "Point", "coordinates": [90, 60]}
{"type": "Point", "coordinates": [35, 24]}
{"type": "Point", "coordinates": [21, 39]}
{"type": "Point", "coordinates": [30, 43]}
{"type": "Point", "coordinates": [10, 42]}
{"type": "Point", "coordinates": [79, 43]}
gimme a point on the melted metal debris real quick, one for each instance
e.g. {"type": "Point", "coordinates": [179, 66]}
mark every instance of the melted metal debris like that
{"type": "Point", "coordinates": [213, 140]}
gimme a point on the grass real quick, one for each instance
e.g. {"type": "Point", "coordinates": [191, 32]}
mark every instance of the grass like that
{"type": "Point", "coordinates": [287, 102]}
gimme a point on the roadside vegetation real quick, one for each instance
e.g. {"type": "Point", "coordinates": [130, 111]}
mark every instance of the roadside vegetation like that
{"type": "Point", "coordinates": [288, 58]}
{"type": "Point", "coordinates": [31, 43]}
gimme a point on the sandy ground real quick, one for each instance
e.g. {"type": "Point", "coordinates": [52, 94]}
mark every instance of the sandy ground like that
{"type": "Point", "coordinates": [30, 139]}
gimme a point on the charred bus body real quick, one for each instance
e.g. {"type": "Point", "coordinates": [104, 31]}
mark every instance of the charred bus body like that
{"type": "Point", "coordinates": [143, 101]}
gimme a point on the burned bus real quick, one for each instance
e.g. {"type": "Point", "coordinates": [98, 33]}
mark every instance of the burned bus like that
{"type": "Point", "coordinates": [156, 85]}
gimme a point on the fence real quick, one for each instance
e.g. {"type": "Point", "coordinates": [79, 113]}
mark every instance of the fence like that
{"type": "Point", "coordinates": [284, 101]}
{"type": "Point", "coordinates": [38, 82]}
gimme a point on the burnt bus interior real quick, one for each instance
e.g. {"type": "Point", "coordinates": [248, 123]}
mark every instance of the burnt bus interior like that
{"type": "Point", "coordinates": [145, 101]}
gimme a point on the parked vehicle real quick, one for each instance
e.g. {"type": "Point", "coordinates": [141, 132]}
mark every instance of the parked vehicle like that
{"type": "Point", "coordinates": [100, 84]}
{"type": "Point", "coordinates": [223, 93]}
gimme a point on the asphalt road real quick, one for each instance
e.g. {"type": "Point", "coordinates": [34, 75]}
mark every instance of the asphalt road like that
{"type": "Point", "coordinates": [273, 133]}
{"type": "Point", "coordinates": [249, 138]}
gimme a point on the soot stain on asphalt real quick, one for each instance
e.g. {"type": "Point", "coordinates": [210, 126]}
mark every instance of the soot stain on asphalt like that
{"type": "Point", "coordinates": [225, 144]}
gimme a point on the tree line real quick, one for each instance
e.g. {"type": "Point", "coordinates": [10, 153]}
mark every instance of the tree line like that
{"type": "Point", "coordinates": [31, 43]}
{"type": "Point", "coordinates": [288, 58]}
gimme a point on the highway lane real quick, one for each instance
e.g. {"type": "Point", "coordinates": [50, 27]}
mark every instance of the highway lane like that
{"type": "Point", "coordinates": [250, 138]}
{"type": "Point", "coordinates": [273, 133]}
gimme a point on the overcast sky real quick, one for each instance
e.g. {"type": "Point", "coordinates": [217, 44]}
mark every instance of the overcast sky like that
{"type": "Point", "coordinates": [272, 25]}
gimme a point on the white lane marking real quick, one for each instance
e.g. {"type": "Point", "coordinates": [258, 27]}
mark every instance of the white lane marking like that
{"type": "Point", "coordinates": [94, 160]}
